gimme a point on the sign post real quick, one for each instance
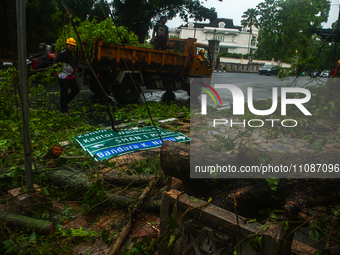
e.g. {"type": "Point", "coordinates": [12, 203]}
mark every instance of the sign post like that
{"type": "Point", "coordinates": [21, 35]}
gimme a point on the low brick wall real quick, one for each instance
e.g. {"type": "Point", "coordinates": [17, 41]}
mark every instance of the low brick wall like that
{"type": "Point", "coordinates": [208, 229]}
{"type": "Point", "coordinates": [236, 67]}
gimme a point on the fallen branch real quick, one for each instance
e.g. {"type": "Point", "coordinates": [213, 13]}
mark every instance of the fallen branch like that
{"type": "Point", "coordinates": [41, 227]}
{"type": "Point", "coordinates": [135, 210]}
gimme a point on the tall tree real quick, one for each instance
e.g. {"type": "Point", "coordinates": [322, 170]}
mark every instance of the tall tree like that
{"type": "Point", "coordinates": [250, 20]}
{"type": "Point", "coordinates": [100, 11]}
{"type": "Point", "coordinates": [78, 8]}
{"type": "Point", "coordinates": [137, 15]}
{"type": "Point", "coordinates": [270, 31]}
{"type": "Point", "coordinates": [284, 27]}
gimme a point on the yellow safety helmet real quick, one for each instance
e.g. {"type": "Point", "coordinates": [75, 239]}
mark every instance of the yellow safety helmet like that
{"type": "Point", "coordinates": [338, 61]}
{"type": "Point", "coordinates": [202, 51]}
{"type": "Point", "coordinates": [71, 41]}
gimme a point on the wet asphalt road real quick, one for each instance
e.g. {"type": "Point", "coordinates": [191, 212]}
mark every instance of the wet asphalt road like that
{"type": "Point", "coordinates": [262, 87]}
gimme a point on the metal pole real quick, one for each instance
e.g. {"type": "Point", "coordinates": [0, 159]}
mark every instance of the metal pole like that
{"type": "Point", "coordinates": [195, 30]}
{"type": "Point", "coordinates": [23, 87]}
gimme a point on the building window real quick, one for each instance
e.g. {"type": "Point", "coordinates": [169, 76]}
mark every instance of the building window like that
{"type": "Point", "coordinates": [220, 38]}
{"type": "Point", "coordinates": [221, 25]}
{"type": "Point", "coordinates": [253, 41]}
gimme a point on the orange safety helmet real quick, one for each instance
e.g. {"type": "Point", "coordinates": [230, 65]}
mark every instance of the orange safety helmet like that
{"type": "Point", "coordinates": [71, 41]}
{"type": "Point", "coordinates": [202, 51]}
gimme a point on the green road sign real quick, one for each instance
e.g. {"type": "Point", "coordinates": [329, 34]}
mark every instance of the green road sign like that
{"type": "Point", "coordinates": [105, 143]}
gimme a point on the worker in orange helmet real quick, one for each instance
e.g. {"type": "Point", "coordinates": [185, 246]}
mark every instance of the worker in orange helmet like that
{"type": "Point", "coordinates": [66, 75]}
{"type": "Point", "coordinates": [201, 57]}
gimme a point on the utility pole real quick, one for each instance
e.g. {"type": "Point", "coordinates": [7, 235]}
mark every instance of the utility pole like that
{"type": "Point", "coordinates": [23, 88]}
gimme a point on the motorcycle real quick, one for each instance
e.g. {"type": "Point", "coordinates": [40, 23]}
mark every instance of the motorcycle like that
{"type": "Point", "coordinates": [32, 62]}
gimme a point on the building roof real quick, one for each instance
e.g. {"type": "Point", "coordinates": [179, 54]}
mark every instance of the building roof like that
{"type": "Point", "coordinates": [228, 24]}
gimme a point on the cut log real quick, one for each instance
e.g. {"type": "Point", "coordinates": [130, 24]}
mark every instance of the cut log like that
{"type": "Point", "coordinates": [119, 178]}
{"type": "Point", "coordinates": [253, 195]}
{"type": "Point", "coordinates": [175, 162]}
{"type": "Point", "coordinates": [41, 227]}
{"type": "Point", "coordinates": [132, 214]}
{"type": "Point", "coordinates": [54, 152]}
{"type": "Point", "coordinates": [69, 177]}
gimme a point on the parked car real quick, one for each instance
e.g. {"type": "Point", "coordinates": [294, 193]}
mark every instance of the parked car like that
{"type": "Point", "coordinates": [325, 73]}
{"type": "Point", "coordinates": [268, 70]}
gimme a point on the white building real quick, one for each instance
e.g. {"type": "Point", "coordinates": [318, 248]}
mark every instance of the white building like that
{"type": "Point", "coordinates": [233, 39]}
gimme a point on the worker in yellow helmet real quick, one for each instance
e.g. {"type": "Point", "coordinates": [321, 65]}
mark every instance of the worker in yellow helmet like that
{"type": "Point", "coordinates": [66, 75]}
{"type": "Point", "coordinates": [201, 57]}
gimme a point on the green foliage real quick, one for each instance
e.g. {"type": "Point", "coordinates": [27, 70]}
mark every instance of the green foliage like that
{"type": "Point", "coordinates": [250, 18]}
{"type": "Point", "coordinates": [33, 244]}
{"type": "Point", "coordinates": [147, 166]}
{"type": "Point", "coordinates": [94, 196]}
{"type": "Point", "coordinates": [284, 28]}
{"type": "Point", "coordinates": [256, 243]}
{"type": "Point", "coordinates": [49, 127]}
{"type": "Point", "coordinates": [273, 183]}
{"type": "Point", "coordinates": [232, 55]}
{"type": "Point", "coordinates": [104, 30]}
{"type": "Point", "coordinates": [143, 247]}
{"type": "Point", "coordinates": [43, 120]}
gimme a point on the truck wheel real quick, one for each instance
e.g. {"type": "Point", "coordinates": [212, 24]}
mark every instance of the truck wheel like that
{"type": "Point", "coordinates": [127, 92]}
{"type": "Point", "coordinates": [168, 96]}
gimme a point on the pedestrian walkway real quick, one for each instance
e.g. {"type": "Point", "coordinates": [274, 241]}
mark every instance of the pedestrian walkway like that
{"type": "Point", "coordinates": [259, 138]}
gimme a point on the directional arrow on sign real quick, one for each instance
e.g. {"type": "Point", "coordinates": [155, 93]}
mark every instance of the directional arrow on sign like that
{"type": "Point", "coordinates": [97, 146]}
{"type": "Point", "coordinates": [180, 137]}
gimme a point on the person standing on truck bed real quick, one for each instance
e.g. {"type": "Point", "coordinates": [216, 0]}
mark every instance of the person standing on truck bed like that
{"type": "Point", "coordinates": [66, 76]}
{"type": "Point", "coordinates": [162, 34]}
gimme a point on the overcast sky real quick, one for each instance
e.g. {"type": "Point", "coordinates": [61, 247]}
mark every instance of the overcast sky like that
{"type": "Point", "coordinates": [233, 9]}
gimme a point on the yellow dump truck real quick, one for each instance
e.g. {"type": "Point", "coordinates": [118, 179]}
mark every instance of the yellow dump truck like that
{"type": "Point", "coordinates": [120, 68]}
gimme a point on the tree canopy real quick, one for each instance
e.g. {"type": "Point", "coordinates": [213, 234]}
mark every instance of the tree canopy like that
{"type": "Point", "coordinates": [46, 18]}
{"type": "Point", "coordinates": [138, 15]}
{"type": "Point", "coordinates": [284, 27]}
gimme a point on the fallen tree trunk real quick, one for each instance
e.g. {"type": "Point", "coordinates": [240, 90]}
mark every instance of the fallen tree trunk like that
{"type": "Point", "coordinates": [70, 177]}
{"type": "Point", "coordinates": [41, 227]}
{"type": "Point", "coordinates": [255, 194]}
{"type": "Point", "coordinates": [119, 178]}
